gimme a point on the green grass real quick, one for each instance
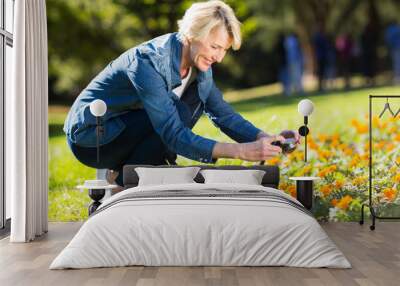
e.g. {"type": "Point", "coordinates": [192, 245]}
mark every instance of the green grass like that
{"type": "Point", "coordinates": [272, 113]}
{"type": "Point", "coordinates": [66, 203]}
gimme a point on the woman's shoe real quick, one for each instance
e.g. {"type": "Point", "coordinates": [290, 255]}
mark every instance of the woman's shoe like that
{"type": "Point", "coordinates": [111, 176]}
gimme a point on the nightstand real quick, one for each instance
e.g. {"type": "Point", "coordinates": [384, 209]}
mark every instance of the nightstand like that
{"type": "Point", "coordinates": [304, 190]}
{"type": "Point", "coordinates": [98, 190]}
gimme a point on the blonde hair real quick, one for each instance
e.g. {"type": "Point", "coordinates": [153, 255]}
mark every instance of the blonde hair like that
{"type": "Point", "coordinates": [202, 17]}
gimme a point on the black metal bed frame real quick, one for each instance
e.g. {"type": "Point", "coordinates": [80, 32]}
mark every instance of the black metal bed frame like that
{"type": "Point", "coordinates": [374, 215]}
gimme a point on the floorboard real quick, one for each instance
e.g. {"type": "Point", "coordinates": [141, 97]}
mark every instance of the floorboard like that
{"type": "Point", "coordinates": [374, 255]}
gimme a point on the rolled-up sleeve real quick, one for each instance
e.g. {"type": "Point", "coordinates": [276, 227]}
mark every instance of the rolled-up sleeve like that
{"type": "Point", "coordinates": [160, 107]}
{"type": "Point", "coordinates": [228, 120]}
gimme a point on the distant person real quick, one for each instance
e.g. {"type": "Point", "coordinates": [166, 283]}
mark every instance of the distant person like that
{"type": "Point", "coordinates": [392, 38]}
{"type": "Point", "coordinates": [370, 37]}
{"type": "Point", "coordinates": [295, 63]}
{"type": "Point", "coordinates": [369, 52]}
{"type": "Point", "coordinates": [330, 68]}
{"type": "Point", "coordinates": [155, 94]}
{"type": "Point", "coordinates": [280, 51]}
{"type": "Point", "coordinates": [344, 48]}
{"type": "Point", "coordinates": [321, 47]}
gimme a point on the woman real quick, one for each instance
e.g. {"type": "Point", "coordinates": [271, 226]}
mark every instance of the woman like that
{"type": "Point", "coordinates": [156, 92]}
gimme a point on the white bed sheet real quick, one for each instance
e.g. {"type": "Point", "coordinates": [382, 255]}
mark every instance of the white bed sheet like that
{"type": "Point", "coordinates": [191, 231]}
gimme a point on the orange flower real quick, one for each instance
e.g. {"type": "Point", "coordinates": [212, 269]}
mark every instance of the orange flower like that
{"type": "Point", "coordinates": [312, 145]}
{"type": "Point", "coordinates": [366, 147]}
{"type": "Point", "coordinates": [324, 154]}
{"type": "Point", "coordinates": [397, 178]}
{"type": "Point", "coordinates": [379, 145]}
{"type": "Point", "coordinates": [344, 202]}
{"type": "Point", "coordinates": [355, 123]}
{"type": "Point", "coordinates": [292, 190]}
{"type": "Point", "coordinates": [390, 146]}
{"type": "Point", "coordinates": [323, 173]}
{"type": "Point", "coordinates": [354, 162]}
{"type": "Point", "coordinates": [322, 138]}
{"type": "Point", "coordinates": [326, 190]}
{"type": "Point", "coordinates": [365, 156]}
{"type": "Point", "coordinates": [335, 143]}
{"type": "Point", "coordinates": [335, 136]}
{"type": "Point", "coordinates": [332, 168]}
{"type": "Point", "coordinates": [359, 181]}
{"type": "Point", "coordinates": [327, 170]}
{"type": "Point", "coordinates": [375, 121]}
{"type": "Point", "coordinates": [393, 129]}
{"type": "Point", "coordinates": [390, 193]}
{"type": "Point", "coordinates": [296, 155]}
{"type": "Point", "coordinates": [348, 151]}
{"type": "Point", "coordinates": [306, 170]}
{"type": "Point", "coordinates": [342, 146]}
{"type": "Point", "coordinates": [282, 186]}
{"type": "Point", "coordinates": [274, 161]}
{"type": "Point", "coordinates": [360, 128]}
{"type": "Point", "coordinates": [338, 184]}
{"type": "Point", "coordinates": [334, 202]}
{"type": "Point", "coordinates": [397, 137]}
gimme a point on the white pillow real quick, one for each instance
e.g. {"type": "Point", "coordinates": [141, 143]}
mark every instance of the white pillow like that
{"type": "Point", "coordinates": [248, 177]}
{"type": "Point", "coordinates": [163, 176]}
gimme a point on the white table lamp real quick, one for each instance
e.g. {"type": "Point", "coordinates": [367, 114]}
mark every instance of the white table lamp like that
{"type": "Point", "coordinates": [305, 108]}
{"type": "Point", "coordinates": [98, 108]}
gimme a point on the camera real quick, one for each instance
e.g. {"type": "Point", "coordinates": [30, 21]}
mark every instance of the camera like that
{"type": "Point", "coordinates": [289, 145]}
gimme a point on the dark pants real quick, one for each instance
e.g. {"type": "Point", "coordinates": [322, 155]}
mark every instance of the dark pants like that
{"type": "Point", "coordinates": [139, 143]}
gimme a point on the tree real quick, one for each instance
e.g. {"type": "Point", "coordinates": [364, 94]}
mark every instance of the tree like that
{"type": "Point", "coordinates": [84, 35]}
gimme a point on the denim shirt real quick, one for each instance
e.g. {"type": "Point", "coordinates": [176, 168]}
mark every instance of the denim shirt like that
{"type": "Point", "coordinates": [145, 76]}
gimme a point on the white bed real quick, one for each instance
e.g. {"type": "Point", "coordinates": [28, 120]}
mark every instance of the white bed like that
{"type": "Point", "coordinates": [201, 224]}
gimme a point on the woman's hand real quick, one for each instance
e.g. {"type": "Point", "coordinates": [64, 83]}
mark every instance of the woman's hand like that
{"type": "Point", "coordinates": [261, 149]}
{"type": "Point", "coordinates": [284, 133]}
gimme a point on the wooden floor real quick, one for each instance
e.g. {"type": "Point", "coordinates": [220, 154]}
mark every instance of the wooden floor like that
{"type": "Point", "coordinates": [374, 255]}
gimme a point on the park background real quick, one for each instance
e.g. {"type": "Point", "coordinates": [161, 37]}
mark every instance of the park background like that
{"type": "Point", "coordinates": [84, 36]}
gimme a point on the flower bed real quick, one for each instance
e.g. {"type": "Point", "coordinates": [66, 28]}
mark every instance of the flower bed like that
{"type": "Point", "coordinates": [341, 160]}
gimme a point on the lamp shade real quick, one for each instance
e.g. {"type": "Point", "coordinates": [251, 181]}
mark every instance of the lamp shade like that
{"type": "Point", "coordinates": [98, 107]}
{"type": "Point", "coordinates": [305, 107]}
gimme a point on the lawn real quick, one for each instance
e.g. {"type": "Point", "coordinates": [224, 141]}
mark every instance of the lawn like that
{"type": "Point", "coordinates": [336, 116]}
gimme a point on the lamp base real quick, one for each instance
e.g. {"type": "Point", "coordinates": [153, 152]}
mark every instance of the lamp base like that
{"type": "Point", "coordinates": [304, 190]}
{"type": "Point", "coordinates": [96, 195]}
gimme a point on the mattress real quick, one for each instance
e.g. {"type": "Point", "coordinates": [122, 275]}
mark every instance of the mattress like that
{"type": "Point", "coordinates": [201, 225]}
